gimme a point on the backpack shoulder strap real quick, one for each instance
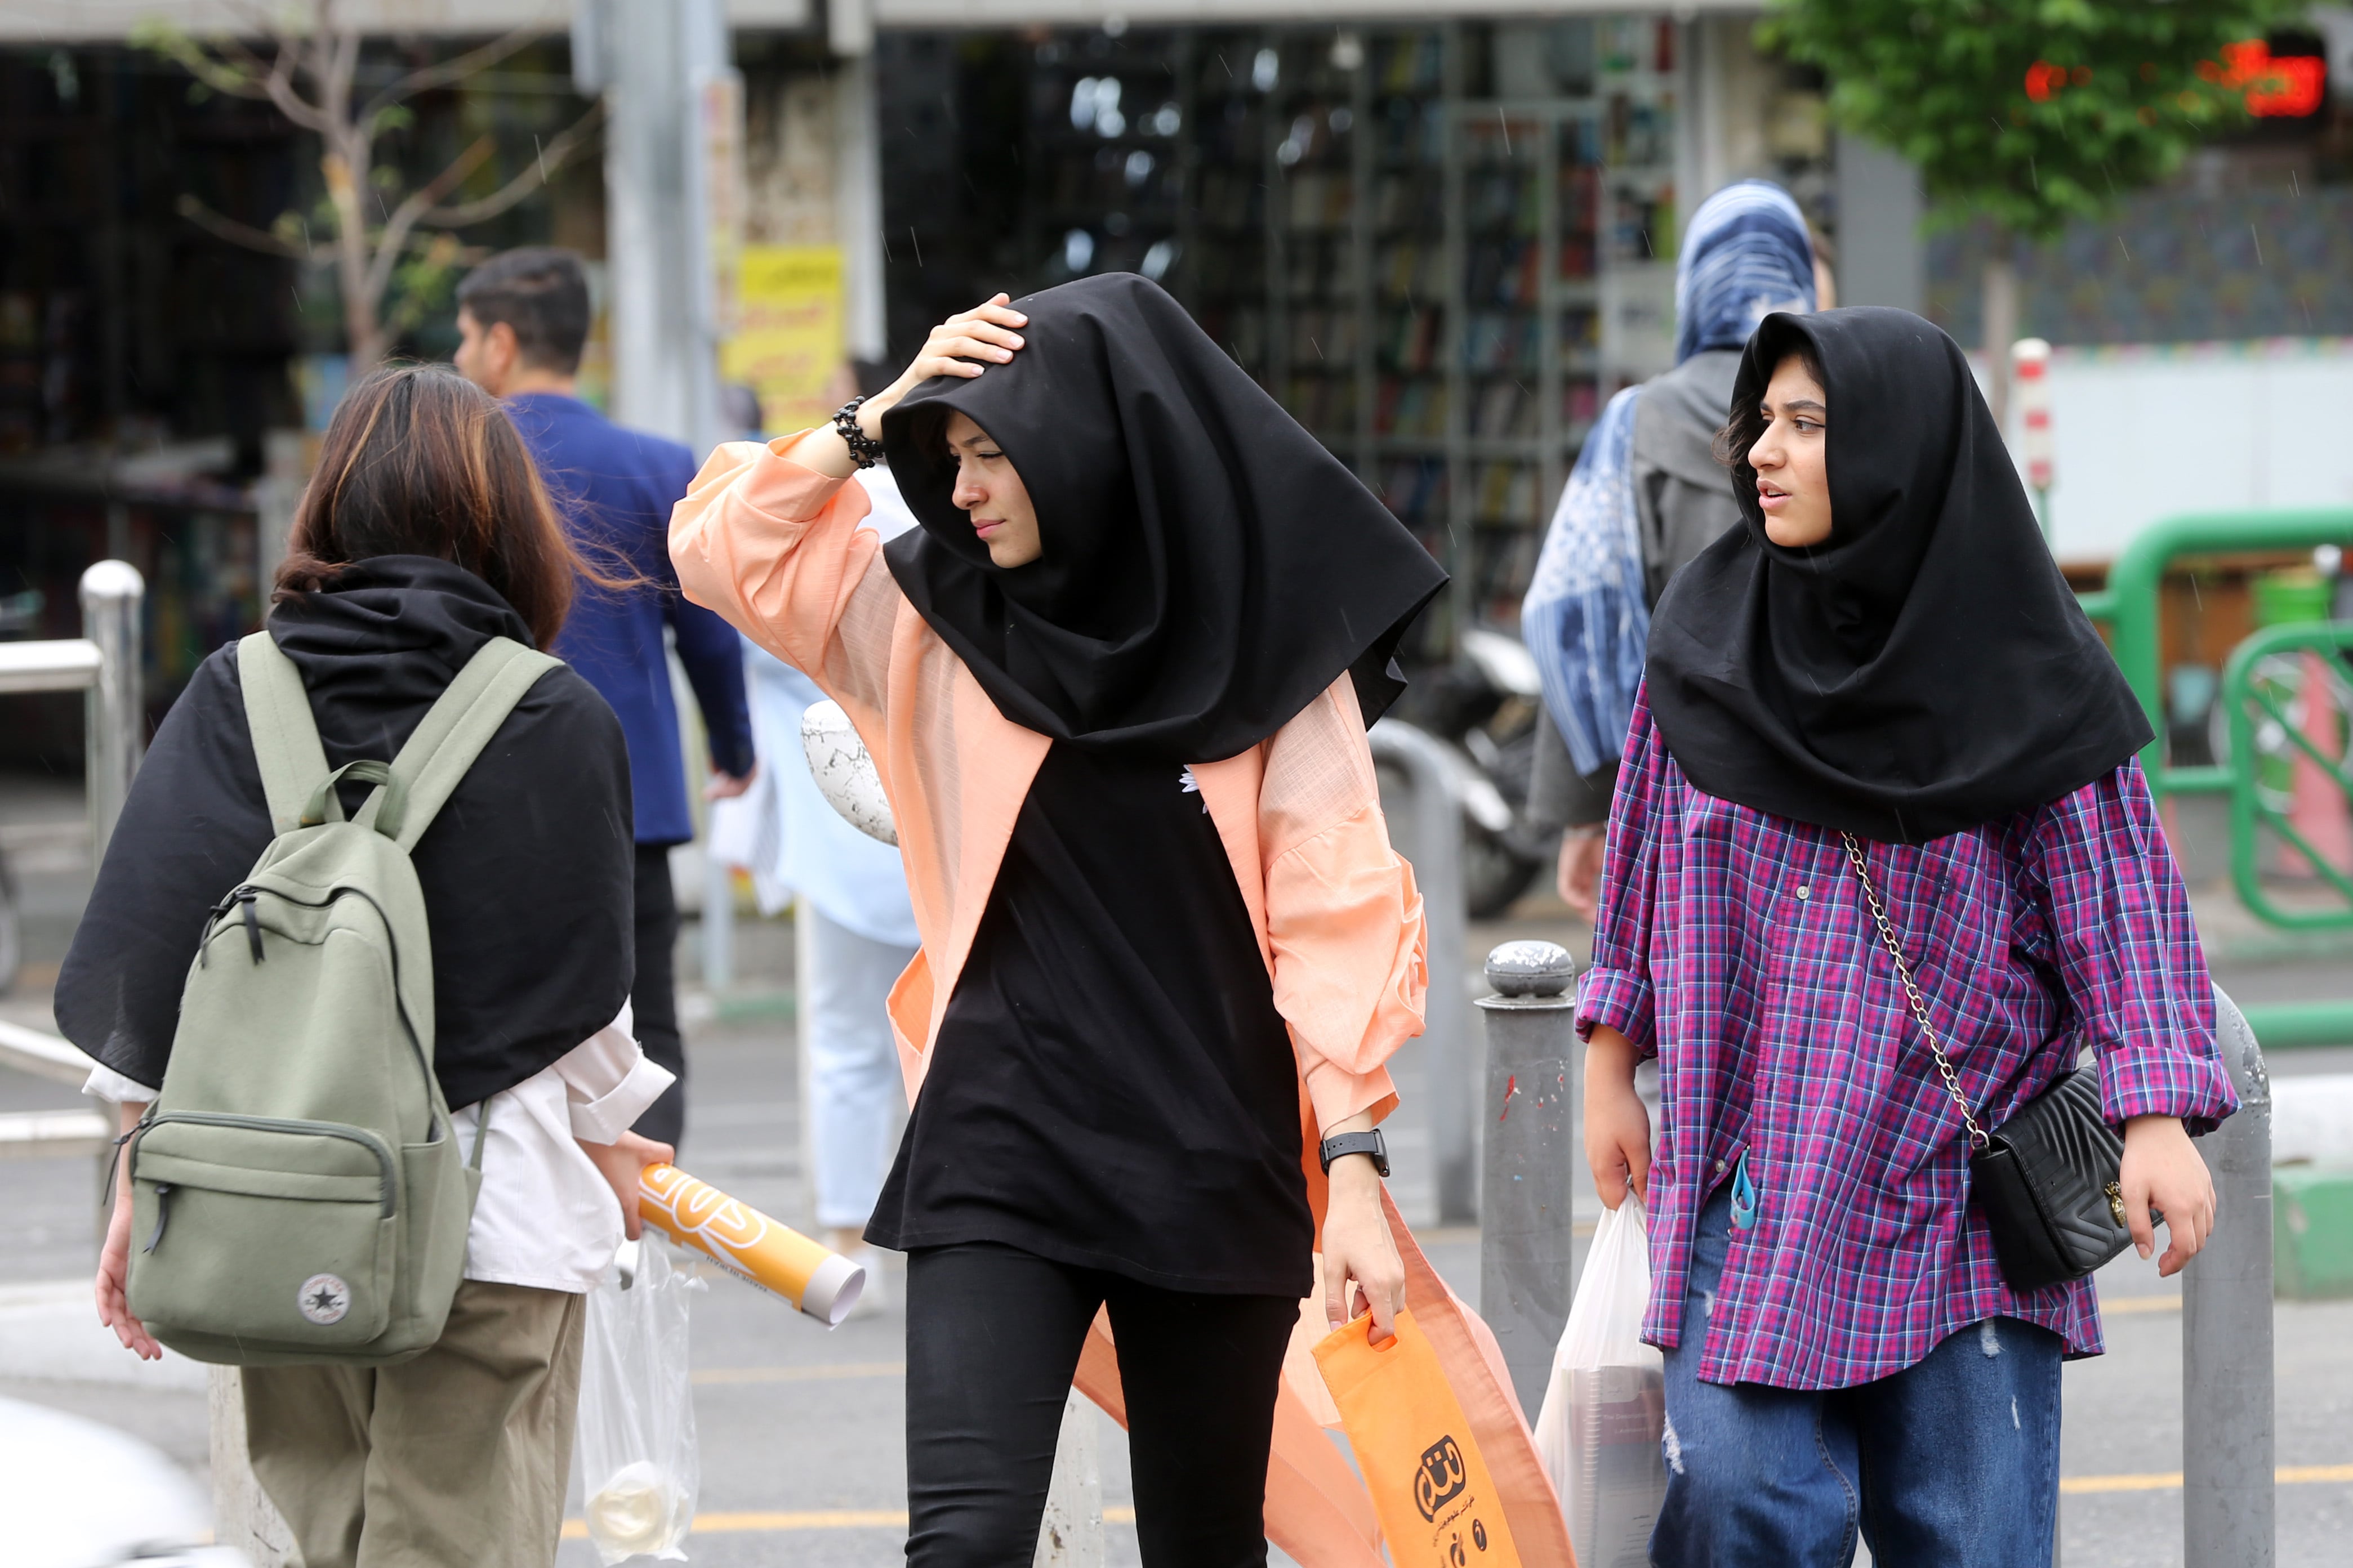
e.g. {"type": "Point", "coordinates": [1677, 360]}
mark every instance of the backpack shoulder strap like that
{"type": "Point", "coordinates": [285, 735]}
{"type": "Point", "coordinates": [459, 725]}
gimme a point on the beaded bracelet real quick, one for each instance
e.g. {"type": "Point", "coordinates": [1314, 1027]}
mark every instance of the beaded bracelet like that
{"type": "Point", "coordinates": [864, 449]}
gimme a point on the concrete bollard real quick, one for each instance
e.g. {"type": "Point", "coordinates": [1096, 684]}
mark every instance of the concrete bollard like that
{"type": "Point", "coordinates": [2226, 1330]}
{"type": "Point", "coordinates": [1528, 1202]}
{"type": "Point", "coordinates": [243, 1518]}
{"type": "Point", "coordinates": [1446, 1036]}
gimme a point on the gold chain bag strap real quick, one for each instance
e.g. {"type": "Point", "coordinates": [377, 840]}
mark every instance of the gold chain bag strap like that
{"type": "Point", "coordinates": [2048, 1180]}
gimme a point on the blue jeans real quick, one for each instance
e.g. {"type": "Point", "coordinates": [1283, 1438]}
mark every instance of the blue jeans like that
{"type": "Point", "coordinates": [1950, 1463]}
{"type": "Point", "coordinates": [853, 1066]}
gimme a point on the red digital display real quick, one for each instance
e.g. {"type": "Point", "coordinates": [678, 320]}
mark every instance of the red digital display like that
{"type": "Point", "coordinates": [2277, 86]}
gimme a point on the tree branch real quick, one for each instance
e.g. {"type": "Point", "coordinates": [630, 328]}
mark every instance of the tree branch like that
{"type": "Point", "coordinates": [237, 79]}
{"type": "Point", "coordinates": [221, 226]}
{"type": "Point", "coordinates": [453, 69]}
{"type": "Point", "coordinates": [551, 158]}
{"type": "Point", "coordinates": [415, 205]}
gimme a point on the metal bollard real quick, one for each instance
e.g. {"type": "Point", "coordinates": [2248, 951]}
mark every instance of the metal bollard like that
{"type": "Point", "coordinates": [115, 733]}
{"type": "Point", "coordinates": [2226, 1330]}
{"type": "Point", "coordinates": [1446, 1033]}
{"type": "Point", "coordinates": [1527, 1197]}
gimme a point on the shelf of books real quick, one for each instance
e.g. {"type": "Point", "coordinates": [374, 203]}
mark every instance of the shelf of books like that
{"type": "Point", "coordinates": [1440, 248]}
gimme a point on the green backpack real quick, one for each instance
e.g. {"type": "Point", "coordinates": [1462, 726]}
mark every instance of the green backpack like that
{"type": "Point", "coordinates": [298, 1191]}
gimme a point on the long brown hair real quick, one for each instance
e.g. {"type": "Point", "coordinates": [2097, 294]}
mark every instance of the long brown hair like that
{"type": "Point", "coordinates": [420, 462]}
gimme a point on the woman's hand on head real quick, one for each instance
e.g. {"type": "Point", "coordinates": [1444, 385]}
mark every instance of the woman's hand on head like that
{"type": "Point", "coordinates": [962, 345]}
{"type": "Point", "coordinates": [2163, 1170]}
{"type": "Point", "coordinates": [1362, 1270]}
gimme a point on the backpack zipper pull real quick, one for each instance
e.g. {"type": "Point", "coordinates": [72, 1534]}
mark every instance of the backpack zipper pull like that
{"type": "Point", "coordinates": [162, 1212]}
{"type": "Point", "coordinates": [252, 922]}
{"type": "Point", "coordinates": [204, 938]}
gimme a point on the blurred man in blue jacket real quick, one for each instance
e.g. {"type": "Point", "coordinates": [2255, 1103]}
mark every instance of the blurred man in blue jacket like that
{"type": "Point", "coordinates": [522, 318]}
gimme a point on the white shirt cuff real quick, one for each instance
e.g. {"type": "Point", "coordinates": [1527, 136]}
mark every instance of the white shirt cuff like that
{"type": "Point", "coordinates": [608, 1082]}
{"type": "Point", "coordinates": [105, 1083]}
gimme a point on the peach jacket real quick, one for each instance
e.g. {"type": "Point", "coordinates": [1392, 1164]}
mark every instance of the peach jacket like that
{"type": "Point", "coordinates": [777, 549]}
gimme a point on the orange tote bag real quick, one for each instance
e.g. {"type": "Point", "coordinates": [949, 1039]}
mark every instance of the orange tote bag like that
{"type": "Point", "coordinates": [1437, 1504]}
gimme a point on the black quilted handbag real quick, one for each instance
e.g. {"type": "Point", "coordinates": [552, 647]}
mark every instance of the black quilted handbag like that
{"type": "Point", "coordinates": [2049, 1179]}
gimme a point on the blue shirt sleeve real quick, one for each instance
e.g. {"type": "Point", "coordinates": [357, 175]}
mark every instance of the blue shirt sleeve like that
{"type": "Point", "coordinates": [714, 657]}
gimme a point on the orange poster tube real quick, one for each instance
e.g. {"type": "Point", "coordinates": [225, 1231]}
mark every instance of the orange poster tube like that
{"type": "Point", "coordinates": [816, 1280]}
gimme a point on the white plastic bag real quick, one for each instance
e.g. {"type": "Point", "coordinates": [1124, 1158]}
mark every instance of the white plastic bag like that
{"type": "Point", "coordinates": [1605, 1405]}
{"type": "Point", "coordinates": [634, 1448]}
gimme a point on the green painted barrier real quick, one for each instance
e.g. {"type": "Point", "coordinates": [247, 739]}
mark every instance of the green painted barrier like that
{"type": "Point", "coordinates": [2285, 1026]}
{"type": "Point", "coordinates": [2312, 1232]}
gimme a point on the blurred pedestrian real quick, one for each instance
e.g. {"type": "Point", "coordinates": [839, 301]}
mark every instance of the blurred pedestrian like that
{"type": "Point", "coordinates": [1646, 495]}
{"type": "Point", "coordinates": [1116, 684]}
{"type": "Point", "coordinates": [424, 534]}
{"type": "Point", "coordinates": [523, 321]}
{"type": "Point", "coordinates": [1876, 721]}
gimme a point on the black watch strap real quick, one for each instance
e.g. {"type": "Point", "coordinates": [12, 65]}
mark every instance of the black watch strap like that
{"type": "Point", "coordinates": [1370, 1142]}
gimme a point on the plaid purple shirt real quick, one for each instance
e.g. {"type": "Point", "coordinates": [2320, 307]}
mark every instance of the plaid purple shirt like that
{"type": "Point", "coordinates": [1736, 946]}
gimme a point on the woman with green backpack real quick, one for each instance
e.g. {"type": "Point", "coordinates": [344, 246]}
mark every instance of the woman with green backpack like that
{"type": "Point", "coordinates": [397, 1050]}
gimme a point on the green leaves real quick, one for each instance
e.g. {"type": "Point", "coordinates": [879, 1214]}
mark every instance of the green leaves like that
{"type": "Point", "coordinates": [2029, 112]}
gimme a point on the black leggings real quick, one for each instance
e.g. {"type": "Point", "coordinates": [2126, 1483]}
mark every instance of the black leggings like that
{"type": "Point", "coordinates": [653, 995]}
{"type": "Point", "coordinates": [993, 1339]}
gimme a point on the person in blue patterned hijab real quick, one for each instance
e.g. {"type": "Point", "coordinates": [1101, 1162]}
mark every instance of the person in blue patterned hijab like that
{"type": "Point", "coordinates": [1645, 497]}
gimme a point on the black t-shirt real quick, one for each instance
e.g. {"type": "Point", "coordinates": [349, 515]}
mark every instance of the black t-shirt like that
{"type": "Point", "coordinates": [1111, 1086]}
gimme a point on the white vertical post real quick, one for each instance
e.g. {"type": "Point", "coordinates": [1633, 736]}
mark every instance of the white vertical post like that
{"type": "Point", "coordinates": [1071, 1533]}
{"type": "Point", "coordinates": [2030, 359]}
{"type": "Point", "coordinates": [115, 726]}
{"type": "Point", "coordinates": [648, 56]}
{"type": "Point", "coordinates": [857, 180]}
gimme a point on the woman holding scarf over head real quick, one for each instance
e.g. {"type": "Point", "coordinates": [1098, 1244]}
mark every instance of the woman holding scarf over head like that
{"type": "Point", "coordinates": [1877, 695]}
{"type": "Point", "coordinates": [1645, 497]}
{"type": "Point", "coordinates": [1116, 686]}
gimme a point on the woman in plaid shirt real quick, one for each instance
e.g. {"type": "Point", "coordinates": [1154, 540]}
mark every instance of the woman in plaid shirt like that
{"type": "Point", "coordinates": [1885, 657]}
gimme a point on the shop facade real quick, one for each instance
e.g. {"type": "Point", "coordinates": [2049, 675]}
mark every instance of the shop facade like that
{"type": "Point", "coordinates": [1441, 246]}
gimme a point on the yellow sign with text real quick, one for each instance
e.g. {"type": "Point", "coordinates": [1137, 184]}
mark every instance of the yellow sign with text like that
{"type": "Point", "coordinates": [788, 331]}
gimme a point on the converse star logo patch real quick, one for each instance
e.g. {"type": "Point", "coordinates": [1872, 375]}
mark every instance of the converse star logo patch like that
{"type": "Point", "coordinates": [324, 1299]}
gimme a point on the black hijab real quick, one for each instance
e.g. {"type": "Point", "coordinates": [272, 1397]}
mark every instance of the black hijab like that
{"type": "Point", "coordinates": [1923, 670]}
{"type": "Point", "coordinates": [1209, 566]}
{"type": "Point", "coordinates": [527, 871]}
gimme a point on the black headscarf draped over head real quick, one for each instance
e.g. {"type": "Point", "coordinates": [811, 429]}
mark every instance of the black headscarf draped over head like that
{"type": "Point", "coordinates": [1923, 670]}
{"type": "Point", "coordinates": [1209, 566]}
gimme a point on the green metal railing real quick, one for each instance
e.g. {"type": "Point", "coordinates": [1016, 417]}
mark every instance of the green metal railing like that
{"type": "Point", "coordinates": [2246, 694]}
{"type": "Point", "coordinates": [2130, 607]}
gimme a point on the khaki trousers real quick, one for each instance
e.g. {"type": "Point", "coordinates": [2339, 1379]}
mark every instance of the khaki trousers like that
{"type": "Point", "coordinates": [456, 1459]}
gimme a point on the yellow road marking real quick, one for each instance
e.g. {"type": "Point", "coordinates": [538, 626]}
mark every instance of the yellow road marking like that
{"type": "Point", "coordinates": [2286, 1476]}
{"type": "Point", "coordinates": [770, 1521]}
{"type": "Point", "coordinates": [802, 1374]}
{"type": "Point", "coordinates": [2140, 1304]}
